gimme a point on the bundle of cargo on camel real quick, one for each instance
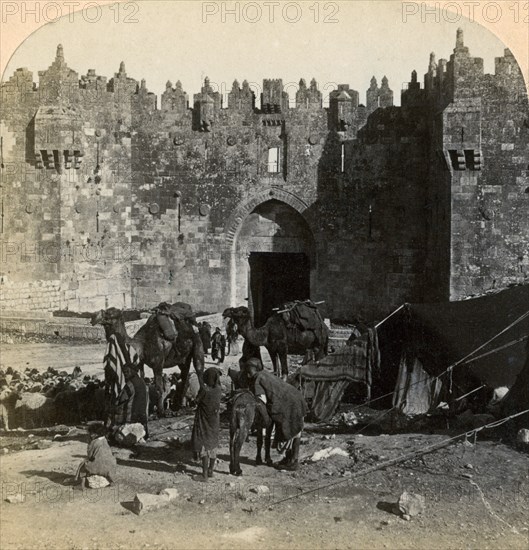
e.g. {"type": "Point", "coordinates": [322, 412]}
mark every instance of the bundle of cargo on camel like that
{"type": "Point", "coordinates": [295, 326]}
{"type": "Point", "coordinates": [169, 338]}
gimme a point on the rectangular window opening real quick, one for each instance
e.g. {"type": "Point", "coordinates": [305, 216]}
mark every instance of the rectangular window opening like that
{"type": "Point", "coordinates": [273, 160]}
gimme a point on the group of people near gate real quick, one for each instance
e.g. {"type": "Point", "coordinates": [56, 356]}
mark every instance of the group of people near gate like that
{"type": "Point", "coordinates": [277, 402]}
{"type": "Point", "coordinates": [219, 344]}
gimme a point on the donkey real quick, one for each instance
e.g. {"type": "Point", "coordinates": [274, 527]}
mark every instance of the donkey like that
{"type": "Point", "coordinates": [245, 410]}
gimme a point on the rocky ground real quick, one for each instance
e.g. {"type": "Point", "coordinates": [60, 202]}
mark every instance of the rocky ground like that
{"type": "Point", "coordinates": [476, 494]}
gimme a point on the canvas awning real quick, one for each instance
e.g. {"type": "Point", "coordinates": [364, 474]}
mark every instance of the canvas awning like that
{"type": "Point", "coordinates": [490, 331]}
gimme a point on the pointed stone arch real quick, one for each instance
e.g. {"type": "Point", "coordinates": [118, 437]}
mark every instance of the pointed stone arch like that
{"type": "Point", "coordinates": [236, 220]}
{"type": "Point", "coordinates": [300, 241]}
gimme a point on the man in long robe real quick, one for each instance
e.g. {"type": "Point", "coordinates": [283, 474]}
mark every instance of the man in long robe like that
{"type": "Point", "coordinates": [133, 401]}
{"type": "Point", "coordinates": [206, 427]}
{"type": "Point", "coordinates": [286, 407]}
{"type": "Point", "coordinates": [118, 356]}
{"type": "Point", "coordinates": [204, 329]}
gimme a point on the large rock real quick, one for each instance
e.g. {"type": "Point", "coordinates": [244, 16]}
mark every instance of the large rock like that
{"type": "Point", "coordinates": [323, 454]}
{"type": "Point", "coordinates": [129, 434]}
{"type": "Point", "coordinates": [97, 482]}
{"type": "Point", "coordinates": [145, 502]}
{"type": "Point", "coordinates": [411, 504]}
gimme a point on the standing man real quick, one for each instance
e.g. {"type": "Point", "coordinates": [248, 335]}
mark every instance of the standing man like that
{"type": "Point", "coordinates": [133, 401]}
{"type": "Point", "coordinates": [286, 407]}
{"type": "Point", "coordinates": [118, 356]}
{"type": "Point", "coordinates": [218, 345]}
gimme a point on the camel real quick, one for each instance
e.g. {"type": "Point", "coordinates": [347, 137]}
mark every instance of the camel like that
{"type": "Point", "coordinates": [157, 352]}
{"type": "Point", "coordinates": [276, 336]}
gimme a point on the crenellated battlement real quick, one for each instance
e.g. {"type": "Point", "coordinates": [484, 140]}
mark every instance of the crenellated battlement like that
{"type": "Point", "coordinates": [61, 84]}
{"type": "Point", "coordinates": [423, 201]}
{"type": "Point", "coordinates": [445, 80]}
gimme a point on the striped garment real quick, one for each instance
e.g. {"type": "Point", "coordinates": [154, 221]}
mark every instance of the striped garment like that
{"type": "Point", "coordinates": [116, 357]}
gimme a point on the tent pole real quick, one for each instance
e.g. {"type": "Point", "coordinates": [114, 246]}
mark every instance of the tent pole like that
{"type": "Point", "coordinates": [390, 315]}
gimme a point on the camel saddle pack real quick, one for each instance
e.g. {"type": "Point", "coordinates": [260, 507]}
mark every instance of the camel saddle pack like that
{"type": "Point", "coordinates": [166, 314]}
{"type": "Point", "coordinates": [304, 316]}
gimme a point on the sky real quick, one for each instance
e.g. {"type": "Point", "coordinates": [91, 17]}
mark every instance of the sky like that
{"type": "Point", "coordinates": [335, 42]}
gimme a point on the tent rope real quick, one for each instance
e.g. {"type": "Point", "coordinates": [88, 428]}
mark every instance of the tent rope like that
{"type": "Point", "coordinates": [489, 507]}
{"type": "Point", "coordinates": [405, 457]}
{"type": "Point", "coordinates": [390, 315]}
{"type": "Point", "coordinates": [496, 350]}
{"type": "Point", "coordinates": [521, 318]}
{"type": "Point", "coordinates": [470, 392]}
{"type": "Point", "coordinates": [375, 421]}
{"type": "Point", "coordinates": [464, 360]}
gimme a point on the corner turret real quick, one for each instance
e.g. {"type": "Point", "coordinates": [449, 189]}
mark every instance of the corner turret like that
{"type": "Point", "coordinates": [59, 82]}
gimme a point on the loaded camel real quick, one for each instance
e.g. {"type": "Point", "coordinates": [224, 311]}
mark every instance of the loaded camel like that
{"type": "Point", "coordinates": [156, 351]}
{"type": "Point", "coordinates": [277, 335]}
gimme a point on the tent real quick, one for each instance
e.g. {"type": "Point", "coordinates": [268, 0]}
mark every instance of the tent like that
{"type": "Point", "coordinates": [325, 381]}
{"type": "Point", "coordinates": [481, 341]}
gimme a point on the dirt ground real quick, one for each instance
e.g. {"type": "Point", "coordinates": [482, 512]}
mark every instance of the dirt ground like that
{"type": "Point", "coordinates": [477, 495]}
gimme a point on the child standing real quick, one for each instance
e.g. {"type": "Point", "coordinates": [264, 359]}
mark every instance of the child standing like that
{"type": "Point", "coordinates": [206, 427]}
{"type": "Point", "coordinates": [99, 461]}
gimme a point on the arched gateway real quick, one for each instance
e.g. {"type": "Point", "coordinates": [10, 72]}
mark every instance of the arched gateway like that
{"type": "Point", "coordinates": [273, 256]}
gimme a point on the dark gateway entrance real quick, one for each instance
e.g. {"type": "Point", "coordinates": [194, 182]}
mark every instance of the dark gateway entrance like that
{"type": "Point", "coordinates": [276, 278]}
